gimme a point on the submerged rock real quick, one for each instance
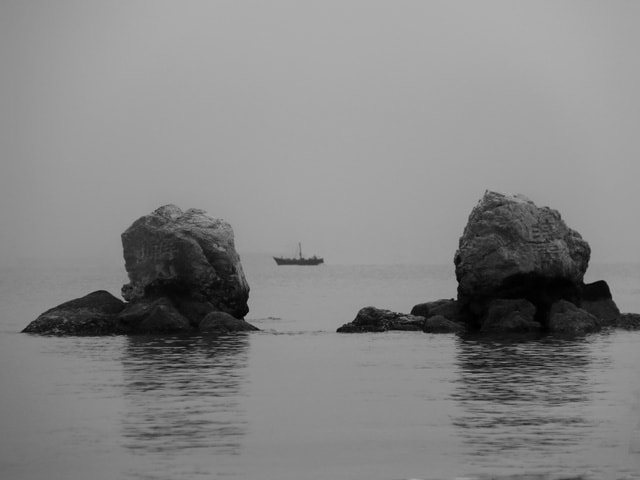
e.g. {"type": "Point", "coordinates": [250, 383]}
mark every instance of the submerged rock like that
{"type": "Point", "coordinates": [188, 254]}
{"type": "Point", "coordinates": [372, 319]}
{"type": "Point", "coordinates": [511, 248]}
{"type": "Point", "coordinates": [93, 314]}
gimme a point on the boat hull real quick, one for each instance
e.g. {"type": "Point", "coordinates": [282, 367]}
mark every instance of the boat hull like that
{"type": "Point", "coordinates": [298, 261]}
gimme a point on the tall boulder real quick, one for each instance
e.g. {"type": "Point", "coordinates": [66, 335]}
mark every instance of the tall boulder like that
{"type": "Point", "coordinates": [187, 257]}
{"type": "Point", "coordinates": [511, 248]}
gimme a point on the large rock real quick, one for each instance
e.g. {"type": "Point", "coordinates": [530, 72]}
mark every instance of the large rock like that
{"type": "Point", "coordinates": [93, 314]}
{"type": "Point", "coordinates": [176, 254]}
{"type": "Point", "coordinates": [511, 248]}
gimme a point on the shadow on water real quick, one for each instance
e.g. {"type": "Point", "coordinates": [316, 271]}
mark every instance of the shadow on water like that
{"type": "Point", "coordinates": [181, 395]}
{"type": "Point", "coordinates": [522, 401]}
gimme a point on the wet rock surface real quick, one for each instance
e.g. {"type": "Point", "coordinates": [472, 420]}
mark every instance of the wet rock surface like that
{"type": "Point", "coordinates": [185, 255]}
{"type": "Point", "coordinates": [511, 248]}
{"type": "Point", "coordinates": [93, 314]}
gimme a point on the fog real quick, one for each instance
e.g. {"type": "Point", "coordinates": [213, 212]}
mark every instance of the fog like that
{"type": "Point", "coordinates": [367, 130]}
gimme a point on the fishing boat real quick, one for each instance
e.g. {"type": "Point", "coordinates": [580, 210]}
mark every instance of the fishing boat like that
{"type": "Point", "coordinates": [300, 260]}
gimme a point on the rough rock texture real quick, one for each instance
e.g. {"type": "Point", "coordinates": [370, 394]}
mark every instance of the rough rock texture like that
{"type": "Point", "coordinates": [567, 319]}
{"type": "Point", "coordinates": [628, 321]}
{"type": "Point", "coordinates": [448, 308]}
{"type": "Point", "coordinates": [183, 268]}
{"type": "Point", "coordinates": [371, 319]}
{"type": "Point", "coordinates": [441, 324]}
{"type": "Point", "coordinates": [93, 314]}
{"type": "Point", "coordinates": [152, 316]}
{"type": "Point", "coordinates": [597, 300]}
{"type": "Point", "coordinates": [181, 255]}
{"type": "Point", "coordinates": [510, 315]}
{"type": "Point", "coordinates": [510, 248]}
{"type": "Point", "coordinates": [221, 322]}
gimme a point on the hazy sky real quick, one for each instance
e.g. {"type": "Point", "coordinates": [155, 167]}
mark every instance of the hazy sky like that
{"type": "Point", "coordinates": [367, 129]}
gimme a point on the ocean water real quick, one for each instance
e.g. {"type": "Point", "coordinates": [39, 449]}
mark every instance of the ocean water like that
{"type": "Point", "coordinates": [299, 401]}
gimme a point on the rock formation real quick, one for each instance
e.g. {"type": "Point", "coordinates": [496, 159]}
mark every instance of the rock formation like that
{"type": "Point", "coordinates": [185, 276]}
{"type": "Point", "coordinates": [520, 269]}
{"type": "Point", "coordinates": [93, 314]}
{"type": "Point", "coordinates": [510, 248]}
{"type": "Point", "coordinates": [187, 255]}
{"type": "Point", "coordinates": [371, 319]}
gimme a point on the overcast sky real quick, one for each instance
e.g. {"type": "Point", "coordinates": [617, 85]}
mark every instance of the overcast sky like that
{"type": "Point", "coordinates": [367, 129]}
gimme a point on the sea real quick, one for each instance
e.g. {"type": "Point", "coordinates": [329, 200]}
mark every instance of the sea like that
{"type": "Point", "coordinates": [298, 401]}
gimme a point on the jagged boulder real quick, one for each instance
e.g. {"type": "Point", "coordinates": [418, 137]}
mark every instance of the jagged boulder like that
{"type": "Point", "coordinates": [511, 248]}
{"type": "Point", "coordinates": [184, 255]}
{"type": "Point", "coordinates": [93, 314]}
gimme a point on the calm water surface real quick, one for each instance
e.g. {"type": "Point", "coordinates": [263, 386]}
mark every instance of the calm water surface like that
{"type": "Point", "coordinates": [299, 401]}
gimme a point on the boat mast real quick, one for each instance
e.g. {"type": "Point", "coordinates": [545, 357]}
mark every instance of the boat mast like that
{"type": "Point", "coordinates": [300, 249]}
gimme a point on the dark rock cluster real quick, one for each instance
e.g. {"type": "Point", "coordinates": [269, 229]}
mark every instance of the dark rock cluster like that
{"type": "Point", "coordinates": [185, 276]}
{"type": "Point", "coordinates": [520, 269]}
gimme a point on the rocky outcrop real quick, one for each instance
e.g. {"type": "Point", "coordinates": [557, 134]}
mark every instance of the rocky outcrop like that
{"type": "Point", "coordinates": [511, 248]}
{"type": "Point", "coordinates": [93, 314]}
{"type": "Point", "coordinates": [184, 255]}
{"type": "Point", "coordinates": [372, 319]}
{"type": "Point", "coordinates": [628, 321]}
{"type": "Point", "coordinates": [520, 269]}
{"type": "Point", "coordinates": [185, 277]}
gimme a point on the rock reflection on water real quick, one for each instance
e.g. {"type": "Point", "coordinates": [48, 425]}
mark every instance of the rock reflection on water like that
{"type": "Point", "coordinates": [522, 399]}
{"type": "Point", "coordinates": [181, 394]}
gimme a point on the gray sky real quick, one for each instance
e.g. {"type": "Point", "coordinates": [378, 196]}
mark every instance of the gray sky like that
{"type": "Point", "coordinates": [367, 129]}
